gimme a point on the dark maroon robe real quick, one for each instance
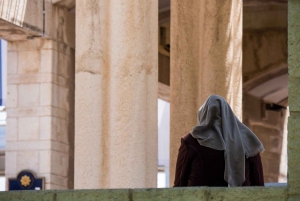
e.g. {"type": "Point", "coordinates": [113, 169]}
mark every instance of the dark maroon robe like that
{"type": "Point", "coordinates": [202, 166]}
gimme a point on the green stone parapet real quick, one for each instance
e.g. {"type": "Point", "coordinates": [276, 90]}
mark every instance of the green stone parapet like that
{"type": "Point", "coordinates": [159, 194]}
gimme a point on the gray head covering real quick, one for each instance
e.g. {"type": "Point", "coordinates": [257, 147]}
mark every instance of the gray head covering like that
{"type": "Point", "coordinates": [218, 128]}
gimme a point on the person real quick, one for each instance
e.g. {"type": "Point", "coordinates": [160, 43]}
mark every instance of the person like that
{"type": "Point", "coordinates": [219, 151]}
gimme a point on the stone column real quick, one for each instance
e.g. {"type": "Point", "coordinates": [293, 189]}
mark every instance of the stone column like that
{"type": "Point", "coordinates": [40, 111]}
{"type": "Point", "coordinates": [206, 58]}
{"type": "Point", "coordinates": [294, 104]}
{"type": "Point", "coordinates": [116, 94]}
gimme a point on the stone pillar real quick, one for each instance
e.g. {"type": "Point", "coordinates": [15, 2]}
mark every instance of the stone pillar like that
{"type": "Point", "coordinates": [116, 94]}
{"type": "Point", "coordinates": [206, 58]}
{"type": "Point", "coordinates": [40, 110]}
{"type": "Point", "coordinates": [294, 104]}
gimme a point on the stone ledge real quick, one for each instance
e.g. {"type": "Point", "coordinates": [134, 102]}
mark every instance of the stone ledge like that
{"type": "Point", "coordinates": [174, 194]}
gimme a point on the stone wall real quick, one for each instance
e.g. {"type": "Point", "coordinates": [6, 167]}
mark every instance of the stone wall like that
{"type": "Point", "coordinates": [265, 53]}
{"type": "Point", "coordinates": [40, 109]}
{"type": "Point", "coordinates": [174, 194]}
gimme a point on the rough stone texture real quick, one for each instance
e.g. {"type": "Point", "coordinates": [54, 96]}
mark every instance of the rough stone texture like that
{"type": "Point", "coordinates": [176, 194]}
{"type": "Point", "coordinates": [206, 58]}
{"type": "Point", "coordinates": [269, 126]}
{"type": "Point", "coordinates": [116, 94]}
{"type": "Point", "coordinates": [265, 57]}
{"type": "Point", "coordinates": [40, 110]}
{"type": "Point", "coordinates": [294, 85]}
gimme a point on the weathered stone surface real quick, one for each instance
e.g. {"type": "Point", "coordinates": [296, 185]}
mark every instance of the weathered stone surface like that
{"type": "Point", "coordinates": [42, 127]}
{"type": "Point", "coordinates": [116, 94]}
{"type": "Point", "coordinates": [27, 196]}
{"type": "Point", "coordinates": [174, 194]}
{"type": "Point", "coordinates": [171, 194]}
{"type": "Point", "coordinates": [206, 58]}
{"type": "Point", "coordinates": [294, 94]}
{"type": "Point", "coordinates": [294, 154]}
{"type": "Point", "coordinates": [294, 86]}
{"type": "Point", "coordinates": [93, 195]}
{"type": "Point", "coordinates": [294, 39]}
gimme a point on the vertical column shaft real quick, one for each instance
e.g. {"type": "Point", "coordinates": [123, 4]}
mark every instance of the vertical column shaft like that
{"type": "Point", "coordinates": [116, 94]}
{"type": "Point", "coordinates": [206, 58]}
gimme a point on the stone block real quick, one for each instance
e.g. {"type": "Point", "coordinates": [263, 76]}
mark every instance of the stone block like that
{"type": "Point", "coordinates": [60, 99]}
{"type": "Point", "coordinates": [60, 163]}
{"type": "Point", "coordinates": [11, 129]}
{"type": "Point", "coordinates": [60, 147]}
{"type": "Point", "coordinates": [60, 131]}
{"type": "Point", "coordinates": [294, 38]}
{"type": "Point", "coordinates": [59, 180]}
{"type": "Point", "coordinates": [270, 49]}
{"type": "Point", "coordinates": [48, 44]}
{"type": "Point", "coordinates": [12, 96]}
{"type": "Point", "coordinates": [174, 194]}
{"type": "Point", "coordinates": [29, 145]}
{"type": "Point", "coordinates": [28, 160]}
{"type": "Point", "coordinates": [29, 95]}
{"type": "Point", "coordinates": [60, 113]}
{"type": "Point", "coordinates": [29, 78]}
{"type": "Point", "coordinates": [46, 61]}
{"type": "Point", "coordinates": [28, 128]}
{"type": "Point", "coordinates": [12, 63]}
{"type": "Point", "coordinates": [247, 193]}
{"type": "Point", "coordinates": [28, 196]}
{"type": "Point", "coordinates": [26, 45]}
{"type": "Point", "coordinates": [10, 162]}
{"type": "Point", "coordinates": [29, 62]}
{"type": "Point", "coordinates": [294, 154]}
{"type": "Point", "coordinates": [29, 112]}
{"type": "Point", "coordinates": [294, 93]}
{"type": "Point", "coordinates": [46, 128]}
{"type": "Point", "coordinates": [93, 195]}
{"type": "Point", "coordinates": [57, 187]}
{"type": "Point", "coordinates": [44, 162]}
{"type": "Point", "coordinates": [46, 94]}
{"type": "Point", "coordinates": [64, 63]}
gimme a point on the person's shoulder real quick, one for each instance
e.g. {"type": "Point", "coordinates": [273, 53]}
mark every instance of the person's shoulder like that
{"type": "Point", "coordinates": [189, 139]}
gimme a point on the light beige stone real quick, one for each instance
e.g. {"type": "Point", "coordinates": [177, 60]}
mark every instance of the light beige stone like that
{"type": "Point", "coordinates": [43, 118]}
{"type": "Point", "coordinates": [28, 62]}
{"type": "Point", "coordinates": [29, 95]}
{"type": "Point", "coordinates": [12, 63]}
{"type": "Point", "coordinates": [116, 94]}
{"type": "Point", "coordinates": [45, 162]}
{"type": "Point", "coordinates": [10, 162]}
{"type": "Point", "coordinates": [46, 61]}
{"type": "Point", "coordinates": [46, 128]}
{"type": "Point", "coordinates": [46, 94]}
{"type": "Point", "coordinates": [12, 96]}
{"type": "Point", "coordinates": [30, 145]}
{"type": "Point", "coordinates": [28, 160]}
{"type": "Point", "coordinates": [206, 58]}
{"type": "Point", "coordinates": [12, 129]}
{"type": "Point", "coordinates": [28, 128]}
{"type": "Point", "coordinates": [29, 111]}
{"type": "Point", "coordinates": [29, 78]}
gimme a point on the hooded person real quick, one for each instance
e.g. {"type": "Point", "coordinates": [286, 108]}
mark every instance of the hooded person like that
{"type": "Point", "coordinates": [219, 151]}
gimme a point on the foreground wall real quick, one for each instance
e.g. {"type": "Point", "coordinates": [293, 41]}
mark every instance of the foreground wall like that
{"type": "Point", "coordinates": [175, 194]}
